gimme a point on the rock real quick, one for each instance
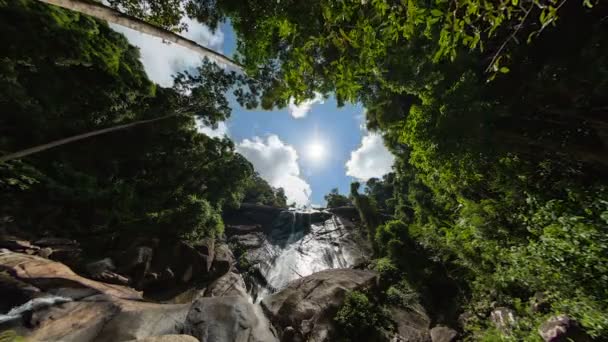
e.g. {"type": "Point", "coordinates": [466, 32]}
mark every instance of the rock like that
{"type": "Point", "coordinates": [16, 244]}
{"type": "Point", "coordinates": [248, 241]}
{"type": "Point", "coordinates": [310, 303]}
{"type": "Point", "coordinates": [562, 328]}
{"type": "Point", "coordinates": [14, 292]}
{"type": "Point", "coordinates": [179, 258]}
{"type": "Point", "coordinates": [207, 247]}
{"type": "Point", "coordinates": [73, 308]}
{"type": "Point", "coordinates": [539, 303]}
{"type": "Point", "coordinates": [412, 325]}
{"type": "Point", "coordinates": [96, 268]}
{"type": "Point", "coordinates": [136, 264]}
{"type": "Point", "coordinates": [52, 242]}
{"type": "Point", "coordinates": [241, 229]}
{"type": "Point", "coordinates": [48, 275]}
{"type": "Point", "coordinates": [230, 284]}
{"type": "Point", "coordinates": [45, 252]}
{"type": "Point", "coordinates": [113, 278]}
{"type": "Point", "coordinates": [167, 338]}
{"type": "Point", "coordinates": [503, 318]}
{"type": "Point", "coordinates": [443, 334]}
{"type": "Point", "coordinates": [224, 259]}
{"type": "Point", "coordinates": [103, 318]}
{"type": "Point", "coordinates": [252, 214]}
{"type": "Point", "coordinates": [348, 212]}
{"type": "Point", "coordinates": [227, 319]}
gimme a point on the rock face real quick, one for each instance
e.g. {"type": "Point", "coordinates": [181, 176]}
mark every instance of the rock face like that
{"type": "Point", "coordinates": [443, 334]}
{"type": "Point", "coordinates": [306, 307]}
{"type": "Point", "coordinates": [295, 245]}
{"type": "Point", "coordinates": [412, 325]}
{"type": "Point", "coordinates": [69, 307]}
{"type": "Point", "coordinates": [58, 305]}
{"type": "Point", "coordinates": [223, 319]}
{"type": "Point", "coordinates": [230, 284]}
{"type": "Point", "coordinates": [561, 329]}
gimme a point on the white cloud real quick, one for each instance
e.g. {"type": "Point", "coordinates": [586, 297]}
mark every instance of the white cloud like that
{"type": "Point", "coordinates": [162, 60]}
{"type": "Point", "coordinates": [301, 110]}
{"type": "Point", "coordinates": [371, 159]}
{"type": "Point", "coordinates": [277, 163]}
{"type": "Point", "coordinates": [219, 132]}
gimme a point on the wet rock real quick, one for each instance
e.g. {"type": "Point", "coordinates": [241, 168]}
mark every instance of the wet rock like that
{"type": "Point", "coordinates": [309, 304]}
{"type": "Point", "coordinates": [14, 292]}
{"type": "Point", "coordinates": [443, 334]}
{"type": "Point", "coordinates": [230, 284]}
{"type": "Point", "coordinates": [503, 318]}
{"type": "Point", "coordinates": [561, 329]}
{"type": "Point", "coordinates": [412, 324]}
{"type": "Point", "coordinates": [226, 319]}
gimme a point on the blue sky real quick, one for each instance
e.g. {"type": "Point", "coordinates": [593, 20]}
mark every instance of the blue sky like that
{"type": "Point", "coordinates": [308, 149]}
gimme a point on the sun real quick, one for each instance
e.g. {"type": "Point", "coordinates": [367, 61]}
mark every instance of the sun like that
{"type": "Point", "coordinates": [315, 151]}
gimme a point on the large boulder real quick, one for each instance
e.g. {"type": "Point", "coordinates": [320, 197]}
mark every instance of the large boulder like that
{"type": "Point", "coordinates": [443, 334]}
{"type": "Point", "coordinates": [230, 284]}
{"type": "Point", "coordinates": [152, 264]}
{"type": "Point", "coordinates": [308, 305]}
{"type": "Point", "coordinates": [50, 276]}
{"type": "Point", "coordinates": [224, 259]}
{"type": "Point", "coordinates": [412, 324]}
{"type": "Point", "coordinates": [68, 307]}
{"type": "Point", "coordinates": [228, 319]}
{"type": "Point", "coordinates": [562, 328]}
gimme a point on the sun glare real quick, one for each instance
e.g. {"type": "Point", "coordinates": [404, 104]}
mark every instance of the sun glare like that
{"type": "Point", "coordinates": [316, 151]}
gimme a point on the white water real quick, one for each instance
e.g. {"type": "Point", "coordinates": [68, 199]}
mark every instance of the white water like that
{"type": "Point", "coordinates": [307, 250]}
{"type": "Point", "coordinates": [33, 304]}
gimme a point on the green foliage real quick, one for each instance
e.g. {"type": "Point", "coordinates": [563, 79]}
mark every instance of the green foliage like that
{"type": "Point", "coordinates": [258, 191]}
{"type": "Point", "coordinates": [64, 74]}
{"type": "Point", "coordinates": [360, 319]}
{"type": "Point", "coordinates": [10, 336]}
{"type": "Point", "coordinates": [334, 199]}
{"type": "Point", "coordinates": [367, 212]}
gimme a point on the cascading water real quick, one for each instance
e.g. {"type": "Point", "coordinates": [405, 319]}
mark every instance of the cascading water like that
{"type": "Point", "coordinates": [305, 242]}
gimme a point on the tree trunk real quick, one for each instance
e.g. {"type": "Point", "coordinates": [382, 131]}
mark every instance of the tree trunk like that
{"type": "Point", "coordinates": [111, 15]}
{"type": "Point", "coordinates": [40, 148]}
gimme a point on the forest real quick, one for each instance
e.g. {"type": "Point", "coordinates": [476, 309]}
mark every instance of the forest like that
{"type": "Point", "coordinates": [496, 113]}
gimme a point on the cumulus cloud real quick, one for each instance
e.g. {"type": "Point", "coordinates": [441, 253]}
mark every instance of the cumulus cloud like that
{"type": "Point", "coordinates": [219, 132]}
{"type": "Point", "coordinates": [277, 163]}
{"type": "Point", "coordinates": [371, 159]}
{"type": "Point", "coordinates": [162, 60]}
{"type": "Point", "coordinates": [301, 110]}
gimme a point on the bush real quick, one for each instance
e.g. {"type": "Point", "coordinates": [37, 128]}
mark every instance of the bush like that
{"type": "Point", "coordinates": [360, 319]}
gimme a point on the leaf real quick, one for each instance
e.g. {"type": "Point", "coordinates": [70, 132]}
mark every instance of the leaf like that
{"type": "Point", "coordinates": [436, 13]}
{"type": "Point", "coordinates": [504, 70]}
{"type": "Point", "coordinates": [514, 2]}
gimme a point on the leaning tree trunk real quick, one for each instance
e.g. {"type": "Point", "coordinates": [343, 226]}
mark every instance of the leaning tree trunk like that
{"type": "Point", "coordinates": [100, 11]}
{"type": "Point", "coordinates": [40, 148]}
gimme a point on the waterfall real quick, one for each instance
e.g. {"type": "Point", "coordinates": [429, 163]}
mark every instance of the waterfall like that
{"type": "Point", "coordinates": [304, 242]}
{"type": "Point", "coordinates": [32, 305]}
